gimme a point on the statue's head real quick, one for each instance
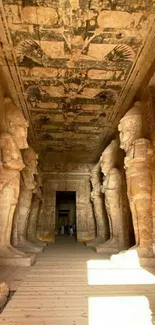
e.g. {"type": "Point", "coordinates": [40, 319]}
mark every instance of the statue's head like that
{"type": "Point", "coordinates": [109, 157]}
{"type": "Point", "coordinates": [12, 121]}
{"type": "Point", "coordinates": [30, 158]}
{"type": "Point", "coordinates": [131, 127]}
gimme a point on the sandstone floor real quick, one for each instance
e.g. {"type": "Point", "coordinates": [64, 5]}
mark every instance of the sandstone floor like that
{"type": "Point", "coordinates": [72, 285]}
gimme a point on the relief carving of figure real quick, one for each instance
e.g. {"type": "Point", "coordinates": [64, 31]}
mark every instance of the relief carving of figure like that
{"type": "Point", "coordinates": [13, 137]}
{"type": "Point", "coordinates": [27, 186]}
{"type": "Point", "coordinates": [97, 199]}
{"type": "Point", "coordinates": [114, 200]}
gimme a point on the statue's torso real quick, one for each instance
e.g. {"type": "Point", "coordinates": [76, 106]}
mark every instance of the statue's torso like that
{"type": "Point", "coordinates": [10, 162]}
{"type": "Point", "coordinates": [141, 151]}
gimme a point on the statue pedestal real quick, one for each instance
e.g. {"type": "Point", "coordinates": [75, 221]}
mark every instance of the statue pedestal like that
{"type": "Point", "coordinates": [106, 250]}
{"type": "Point", "coordinates": [109, 247]}
{"type": "Point", "coordinates": [18, 261]}
{"type": "Point", "coordinates": [30, 248]}
{"type": "Point", "coordinates": [95, 241]}
{"type": "Point", "coordinates": [38, 243]}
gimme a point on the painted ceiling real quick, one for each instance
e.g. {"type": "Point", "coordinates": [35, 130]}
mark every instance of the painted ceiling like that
{"type": "Point", "coordinates": [73, 59]}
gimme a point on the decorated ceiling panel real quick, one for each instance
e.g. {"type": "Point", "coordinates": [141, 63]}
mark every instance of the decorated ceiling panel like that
{"type": "Point", "coordinates": [74, 58]}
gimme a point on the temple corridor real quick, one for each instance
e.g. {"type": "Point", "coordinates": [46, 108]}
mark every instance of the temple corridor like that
{"type": "Point", "coordinates": [70, 284]}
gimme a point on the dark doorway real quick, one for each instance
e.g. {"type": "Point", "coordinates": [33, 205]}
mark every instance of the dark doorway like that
{"type": "Point", "coordinates": [65, 212]}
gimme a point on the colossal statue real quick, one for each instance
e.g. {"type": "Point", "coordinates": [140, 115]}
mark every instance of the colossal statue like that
{"type": "Point", "coordinates": [98, 206]}
{"type": "Point", "coordinates": [138, 165]}
{"type": "Point", "coordinates": [34, 212]}
{"type": "Point", "coordinates": [27, 186]}
{"type": "Point", "coordinates": [13, 137]}
{"type": "Point", "coordinates": [115, 200]}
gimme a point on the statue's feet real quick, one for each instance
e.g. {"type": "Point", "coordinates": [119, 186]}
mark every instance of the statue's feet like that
{"type": "Point", "coordinates": [38, 243]}
{"type": "Point", "coordinates": [111, 246]}
{"type": "Point", "coordinates": [16, 251]}
{"type": "Point", "coordinates": [28, 247]}
{"type": "Point", "coordinates": [97, 240]}
{"type": "Point", "coordinates": [10, 252]}
{"type": "Point", "coordinates": [109, 243]}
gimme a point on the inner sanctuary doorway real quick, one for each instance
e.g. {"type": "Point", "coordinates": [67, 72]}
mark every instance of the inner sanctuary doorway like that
{"type": "Point", "coordinates": [65, 213]}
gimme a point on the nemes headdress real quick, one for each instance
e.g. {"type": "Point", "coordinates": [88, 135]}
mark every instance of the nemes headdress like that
{"type": "Point", "coordinates": [133, 119]}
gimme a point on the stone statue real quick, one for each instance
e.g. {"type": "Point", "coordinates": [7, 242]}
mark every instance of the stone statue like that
{"type": "Point", "coordinates": [13, 137]}
{"type": "Point", "coordinates": [34, 212]}
{"type": "Point", "coordinates": [115, 202]}
{"type": "Point", "coordinates": [138, 165]}
{"type": "Point", "coordinates": [99, 209]}
{"type": "Point", "coordinates": [27, 186]}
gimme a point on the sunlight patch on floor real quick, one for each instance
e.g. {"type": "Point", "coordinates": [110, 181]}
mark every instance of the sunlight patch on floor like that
{"type": "Point", "coordinates": [124, 310]}
{"type": "Point", "coordinates": [103, 272]}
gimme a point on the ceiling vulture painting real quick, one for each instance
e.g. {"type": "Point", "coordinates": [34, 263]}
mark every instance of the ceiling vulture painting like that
{"type": "Point", "coordinates": [73, 59]}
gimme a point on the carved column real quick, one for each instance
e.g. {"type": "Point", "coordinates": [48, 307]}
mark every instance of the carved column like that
{"type": "Point", "coordinates": [27, 186]}
{"type": "Point", "coordinates": [115, 201]}
{"type": "Point", "coordinates": [13, 137]}
{"type": "Point", "coordinates": [97, 198]}
{"type": "Point", "coordinates": [34, 213]}
{"type": "Point", "coordinates": [138, 164]}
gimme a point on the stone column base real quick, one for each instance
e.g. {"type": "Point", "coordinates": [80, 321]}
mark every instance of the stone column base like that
{"type": "Point", "coordinates": [18, 261]}
{"type": "Point", "coordinates": [29, 249]}
{"type": "Point", "coordinates": [95, 241]}
{"type": "Point", "coordinates": [107, 250]}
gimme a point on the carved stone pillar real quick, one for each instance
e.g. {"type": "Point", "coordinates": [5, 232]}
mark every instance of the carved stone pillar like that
{"type": "Point", "coordinates": [138, 165]}
{"type": "Point", "coordinates": [34, 213]}
{"type": "Point", "coordinates": [99, 208]}
{"type": "Point", "coordinates": [115, 201]}
{"type": "Point", "coordinates": [27, 186]}
{"type": "Point", "coordinates": [13, 137]}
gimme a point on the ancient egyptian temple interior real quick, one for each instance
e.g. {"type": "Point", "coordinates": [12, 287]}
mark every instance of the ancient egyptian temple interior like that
{"type": "Point", "coordinates": [77, 162]}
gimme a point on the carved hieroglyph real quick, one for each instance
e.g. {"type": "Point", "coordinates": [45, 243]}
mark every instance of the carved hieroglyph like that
{"type": "Point", "coordinates": [98, 207]}
{"type": "Point", "coordinates": [27, 186]}
{"type": "Point", "coordinates": [34, 212]}
{"type": "Point", "coordinates": [114, 200]}
{"type": "Point", "coordinates": [13, 137]}
{"type": "Point", "coordinates": [74, 72]}
{"type": "Point", "coordinates": [138, 165]}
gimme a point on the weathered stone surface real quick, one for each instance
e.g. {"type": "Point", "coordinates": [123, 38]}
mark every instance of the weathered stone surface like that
{"type": "Point", "coordinates": [13, 137]}
{"type": "Point", "coordinates": [97, 198]}
{"type": "Point", "coordinates": [35, 211]}
{"type": "Point", "coordinates": [69, 68]}
{"type": "Point", "coordinates": [115, 201]}
{"type": "Point", "coordinates": [138, 165]}
{"type": "Point", "coordinates": [4, 292]}
{"type": "Point", "coordinates": [27, 185]}
{"type": "Point", "coordinates": [77, 181]}
{"type": "Point", "coordinates": [73, 59]}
